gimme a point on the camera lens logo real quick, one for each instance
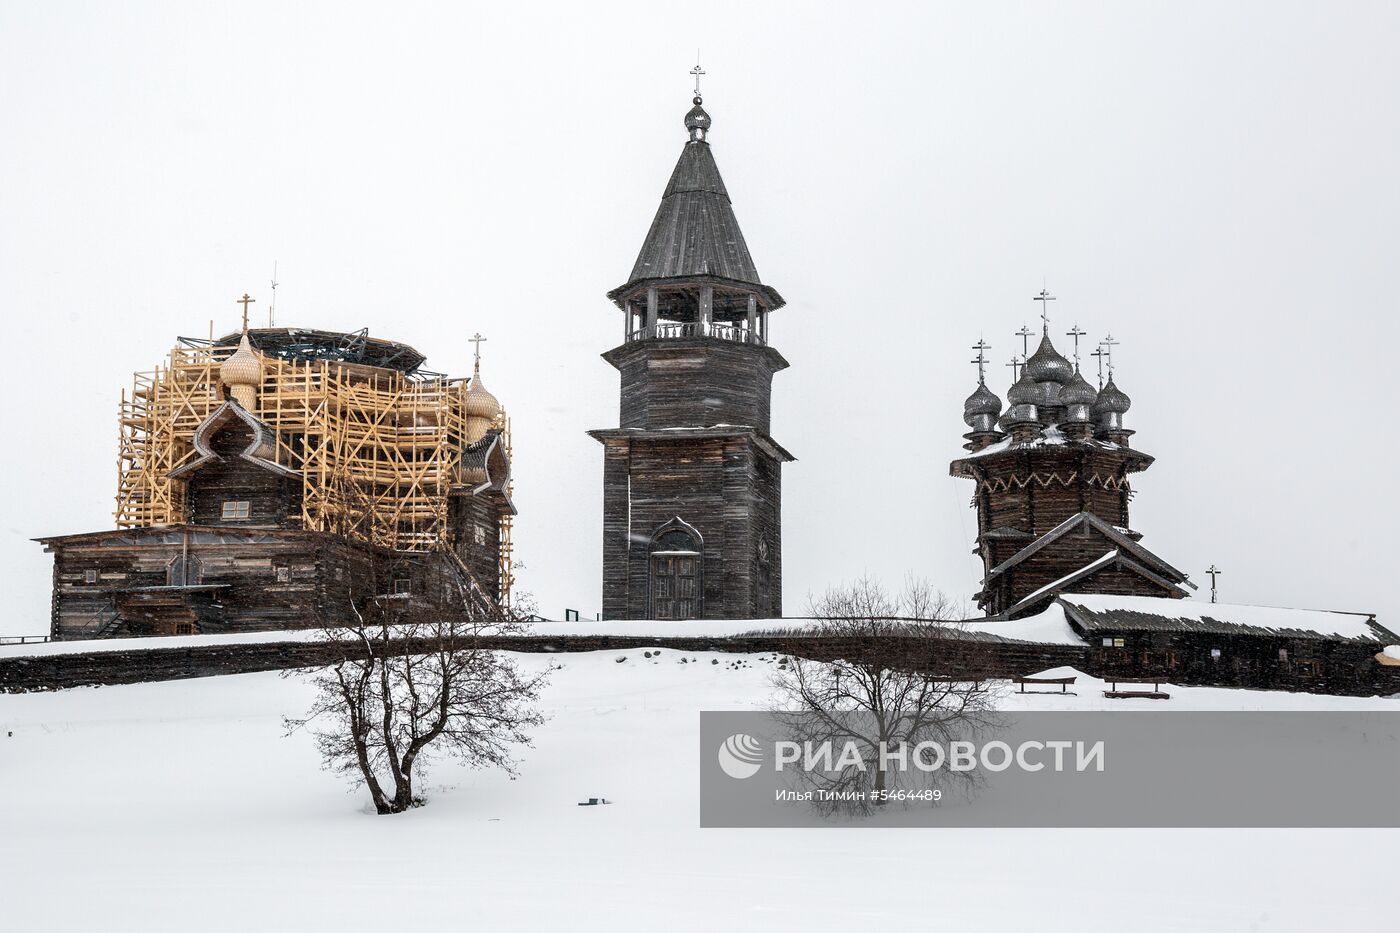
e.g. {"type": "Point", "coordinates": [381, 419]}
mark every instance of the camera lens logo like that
{"type": "Point", "coordinates": [740, 756]}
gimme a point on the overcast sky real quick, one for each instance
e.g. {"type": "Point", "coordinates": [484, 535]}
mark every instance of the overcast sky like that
{"type": "Point", "coordinates": [1215, 184]}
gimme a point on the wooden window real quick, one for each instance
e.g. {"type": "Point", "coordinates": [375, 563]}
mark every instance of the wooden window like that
{"type": "Point", "coordinates": [1283, 654]}
{"type": "Point", "coordinates": [402, 585]}
{"type": "Point", "coordinates": [479, 533]}
{"type": "Point", "coordinates": [1115, 642]}
{"type": "Point", "coordinates": [237, 510]}
{"type": "Point", "coordinates": [1215, 654]}
{"type": "Point", "coordinates": [184, 628]}
{"type": "Point", "coordinates": [89, 576]}
{"type": "Point", "coordinates": [284, 574]}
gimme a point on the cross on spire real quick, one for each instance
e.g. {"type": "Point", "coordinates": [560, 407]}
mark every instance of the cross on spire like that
{"type": "Point", "coordinates": [1025, 334]}
{"type": "Point", "coordinates": [1076, 333]}
{"type": "Point", "coordinates": [1099, 354]}
{"type": "Point", "coordinates": [1214, 572]}
{"type": "Point", "coordinates": [1044, 298]}
{"type": "Point", "coordinates": [1015, 365]}
{"type": "Point", "coordinates": [477, 339]}
{"type": "Point", "coordinates": [981, 346]}
{"type": "Point", "coordinates": [697, 71]}
{"type": "Point", "coordinates": [1107, 344]}
{"type": "Point", "coordinates": [245, 301]}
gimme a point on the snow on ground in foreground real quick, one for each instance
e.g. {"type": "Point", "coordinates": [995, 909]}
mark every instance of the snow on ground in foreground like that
{"type": "Point", "coordinates": [180, 805]}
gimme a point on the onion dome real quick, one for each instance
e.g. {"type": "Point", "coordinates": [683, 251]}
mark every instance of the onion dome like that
{"type": "Point", "coordinates": [243, 374]}
{"type": "Point", "coordinates": [981, 409]}
{"type": "Point", "coordinates": [982, 402]}
{"type": "Point", "coordinates": [1046, 365]}
{"type": "Point", "coordinates": [1024, 390]}
{"type": "Point", "coordinates": [479, 402]}
{"type": "Point", "coordinates": [1078, 392]}
{"type": "Point", "coordinates": [479, 407]}
{"type": "Point", "coordinates": [697, 121]}
{"type": "Point", "coordinates": [1111, 400]}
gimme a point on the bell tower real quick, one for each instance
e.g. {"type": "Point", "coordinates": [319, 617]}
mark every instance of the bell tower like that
{"type": "Point", "coordinates": [692, 525]}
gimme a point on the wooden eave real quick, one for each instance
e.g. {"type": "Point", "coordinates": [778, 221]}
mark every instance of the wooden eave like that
{"type": "Point", "coordinates": [763, 441]}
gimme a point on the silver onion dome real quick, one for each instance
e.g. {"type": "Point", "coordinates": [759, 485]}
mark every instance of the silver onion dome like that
{"type": "Point", "coordinates": [981, 409]}
{"type": "Point", "coordinates": [1024, 390]}
{"type": "Point", "coordinates": [1111, 400]}
{"type": "Point", "coordinates": [1078, 392]}
{"type": "Point", "coordinates": [697, 121]}
{"type": "Point", "coordinates": [983, 401]}
{"type": "Point", "coordinates": [1046, 364]}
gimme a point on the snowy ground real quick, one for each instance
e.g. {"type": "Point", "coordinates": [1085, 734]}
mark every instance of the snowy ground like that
{"type": "Point", "coordinates": [181, 806]}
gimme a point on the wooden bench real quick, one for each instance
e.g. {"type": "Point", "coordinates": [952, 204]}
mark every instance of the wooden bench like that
{"type": "Point", "coordinates": [1156, 693]}
{"type": "Point", "coordinates": [1064, 683]}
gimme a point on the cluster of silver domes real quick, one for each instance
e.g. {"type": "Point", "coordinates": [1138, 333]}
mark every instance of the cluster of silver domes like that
{"type": "Point", "coordinates": [1051, 392]}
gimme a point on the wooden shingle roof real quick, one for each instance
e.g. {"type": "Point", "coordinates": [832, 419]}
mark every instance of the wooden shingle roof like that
{"type": "Point", "coordinates": [695, 231]}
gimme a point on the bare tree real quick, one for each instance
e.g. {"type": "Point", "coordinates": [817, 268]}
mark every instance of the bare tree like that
{"type": "Point", "coordinates": [884, 670]}
{"type": "Point", "coordinates": [413, 681]}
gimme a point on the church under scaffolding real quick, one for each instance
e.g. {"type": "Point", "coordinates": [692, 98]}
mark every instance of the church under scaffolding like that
{"type": "Point", "coordinates": [264, 476]}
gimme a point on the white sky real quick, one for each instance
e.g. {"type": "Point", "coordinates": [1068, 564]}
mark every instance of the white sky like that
{"type": "Point", "coordinates": [1215, 184]}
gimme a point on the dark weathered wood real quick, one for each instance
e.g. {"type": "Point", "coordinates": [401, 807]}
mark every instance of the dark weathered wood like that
{"type": "Point", "coordinates": [250, 569]}
{"type": "Point", "coordinates": [1029, 489]}
{"type": "Point", "coordinates": [273, 499]}
{"type": "Point", "coordinates": [726, 486]}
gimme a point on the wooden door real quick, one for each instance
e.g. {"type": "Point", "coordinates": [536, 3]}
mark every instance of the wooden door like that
{"type": "Point", "coordinates": [674, 586]}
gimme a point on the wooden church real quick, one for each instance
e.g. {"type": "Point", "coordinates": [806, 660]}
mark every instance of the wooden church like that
{"type": "Point", "coordinates": [284, 478]}
{"type": "Point", "coordinates": [692, 519]}
{"type": "Point", "coordinates": [1053, 483]}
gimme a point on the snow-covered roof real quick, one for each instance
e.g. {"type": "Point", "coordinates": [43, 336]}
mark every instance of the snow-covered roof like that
{"type": "Point", "coordinates": [1147, 613]}
{"type": "Point", "coordinates": [1047, 627]}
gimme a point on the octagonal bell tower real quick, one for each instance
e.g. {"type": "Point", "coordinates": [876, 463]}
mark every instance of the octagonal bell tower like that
{"type": "Point", "coordinates": [692, 525]}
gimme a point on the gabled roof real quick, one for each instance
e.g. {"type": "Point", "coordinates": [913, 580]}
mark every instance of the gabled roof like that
{"type": "Point", "coordinates": [1091, 613]}
{"type": "Point", "coordinates": [1112, 559]}
{"type": "Point", "coordinates": [261, 451]}
{"type": "Point", "coordinates": [1118, 539]}
{"type": "Point", "coordinates": [487, 457]}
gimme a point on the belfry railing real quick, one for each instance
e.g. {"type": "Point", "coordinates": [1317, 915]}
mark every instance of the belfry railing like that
{"type": "Point", "coordinates": [672, 330]}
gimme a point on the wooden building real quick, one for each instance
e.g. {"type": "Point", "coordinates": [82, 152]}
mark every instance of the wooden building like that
{"type": "Point", "coordinates": [1236, 646]}
{"type": "Point", "coordinates": [277, 478]}
{"type": "Point", "coordinates": [1053, 477]}
{"type": "Point", "coordinates": [692, 524]}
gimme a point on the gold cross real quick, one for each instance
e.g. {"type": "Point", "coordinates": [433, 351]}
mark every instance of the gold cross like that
{"type": "Point", "coordinates": [245, 301]}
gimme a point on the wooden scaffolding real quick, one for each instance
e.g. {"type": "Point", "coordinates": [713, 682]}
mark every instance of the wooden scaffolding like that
{"type": "Point", "coordinates": [378, 450]}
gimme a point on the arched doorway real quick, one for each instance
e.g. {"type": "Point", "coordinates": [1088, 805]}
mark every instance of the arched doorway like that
{"type": "Point", "coordinates": [675, 574]}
